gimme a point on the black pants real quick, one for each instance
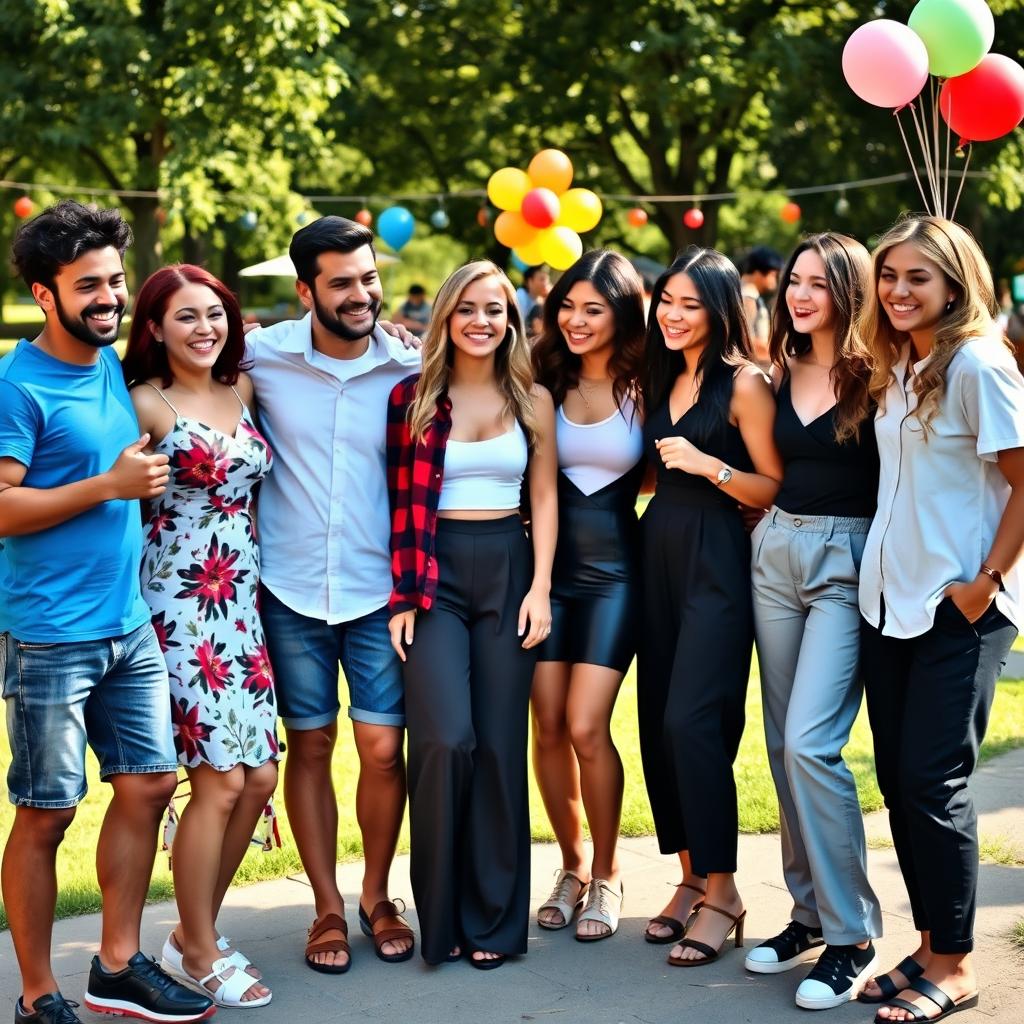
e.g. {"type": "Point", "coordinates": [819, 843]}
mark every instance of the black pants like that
{"type": "Point", "coordinates": [928, 700]}
{"type": "Point", "coordinates": [693, 666]}
{"type": "Point", "coordinates": [467, 695]}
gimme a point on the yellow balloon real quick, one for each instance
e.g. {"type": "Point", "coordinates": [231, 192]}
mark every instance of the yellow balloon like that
{"type": "Point", "coordinates": [506, 188]}
{"type": "Point", "coordinates": [560, 246]}
{"type": "Point", "coordinates": [510, 229]}
{"type": "Point", "coordinates": [531, 253]}
{"type": "Point", "coordinates": [552, 169]}
{"type": "Point", "coordinates": [581, 210]}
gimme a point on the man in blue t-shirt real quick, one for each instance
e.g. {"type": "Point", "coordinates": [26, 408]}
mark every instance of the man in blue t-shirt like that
{"type": "Point", "coordinates": [79, 661]}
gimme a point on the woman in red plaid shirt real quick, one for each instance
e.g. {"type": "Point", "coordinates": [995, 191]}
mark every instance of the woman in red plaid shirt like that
{"type": "Point", "coordinates": [470, 603]}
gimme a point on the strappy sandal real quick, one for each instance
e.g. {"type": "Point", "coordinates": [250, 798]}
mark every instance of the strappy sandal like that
{"type": "Point", "coordinates": [560, 900]}
{"type": "Point", "coordinates": [493, 962]}
{"type": "Point", "coordinates": [232, 986]}
{"type": "Point", "coordinates": [908, 967]}
{"type": "Point", "coordinates": [710, 955]}
{"type": "Point", "coordinates": [314, 944]}
{"type": "Point", "coordinates": [387, 909]}
{"type": "Point", "coordinates": [677, 928]}
{"type": "Point", "coordinates": [604, 905]}
{"type": "Point", "coordinates": [923, 987]}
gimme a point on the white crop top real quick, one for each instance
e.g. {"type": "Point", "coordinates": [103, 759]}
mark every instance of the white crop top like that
{"type": "Point", "coordinates": [484, 474]}
{"type": "Point", "coordinates": [593, 455]}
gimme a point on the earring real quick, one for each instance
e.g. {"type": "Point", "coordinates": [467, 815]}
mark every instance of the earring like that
{"type": "Point", "coordinates": [949, 305]}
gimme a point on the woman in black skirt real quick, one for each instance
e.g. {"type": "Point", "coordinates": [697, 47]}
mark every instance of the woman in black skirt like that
{"type": "Point", "coordinates": [588, 357]}
{"type": "Point", "coordinates": [709, 431]}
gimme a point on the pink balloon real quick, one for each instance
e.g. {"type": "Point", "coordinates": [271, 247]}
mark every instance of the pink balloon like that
{"type": "Point", "coordinates": [885, 63]}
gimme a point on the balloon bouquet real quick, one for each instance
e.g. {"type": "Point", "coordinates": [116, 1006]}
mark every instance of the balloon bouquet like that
{"type": "Point", "coordinates": [980, 95]}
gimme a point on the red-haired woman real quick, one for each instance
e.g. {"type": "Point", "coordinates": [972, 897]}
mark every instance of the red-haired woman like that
{"type": "Point", "coordinates": [200, 571]}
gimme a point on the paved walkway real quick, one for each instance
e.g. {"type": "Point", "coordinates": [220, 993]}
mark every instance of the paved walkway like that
{"type": "Point", "coordinates": [619, 981]}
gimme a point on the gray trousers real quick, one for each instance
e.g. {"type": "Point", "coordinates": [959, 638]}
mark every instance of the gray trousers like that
{"type": "Point", "coordinates": [807, 626]}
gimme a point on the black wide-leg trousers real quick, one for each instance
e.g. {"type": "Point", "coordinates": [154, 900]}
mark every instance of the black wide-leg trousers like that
{"type": "Point", "coordinates": [467, 695]}
{"type": "Point", "coordinates": [929, 699]}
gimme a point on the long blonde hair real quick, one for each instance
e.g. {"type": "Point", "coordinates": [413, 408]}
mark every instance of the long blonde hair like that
{"type": "Point", "coordinates": [971, 313]}
{"type": "Point", "coordinates": [512, 370]}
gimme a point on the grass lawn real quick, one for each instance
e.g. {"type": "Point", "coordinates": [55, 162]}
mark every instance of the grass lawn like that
{"type": "Point", "coordinates": [758, 811]}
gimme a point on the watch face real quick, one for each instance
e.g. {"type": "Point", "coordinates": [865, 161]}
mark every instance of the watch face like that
{"type": "Point", "coordinates": [724, 475]}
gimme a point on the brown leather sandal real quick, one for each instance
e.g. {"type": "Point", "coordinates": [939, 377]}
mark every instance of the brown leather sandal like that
{"type": "Point", "coordinates": [708, 953]}
{"type": "Point", "coordinates": [328, 923]}
{"type": "Point", "coordinates": [387, 909]}
{"type": "Point", "coordinates": [678, 929]}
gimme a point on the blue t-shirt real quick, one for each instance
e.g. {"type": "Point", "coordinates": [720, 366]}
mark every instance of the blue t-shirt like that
{"type": "Point", "coordinates": [78, 580]}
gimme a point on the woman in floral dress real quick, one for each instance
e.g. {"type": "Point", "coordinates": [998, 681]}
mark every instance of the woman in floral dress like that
{"type": "Point", "coordinates": [200, 571]}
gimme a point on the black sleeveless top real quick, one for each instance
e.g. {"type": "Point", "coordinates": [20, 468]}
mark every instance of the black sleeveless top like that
{"type": "Point", "coordinates": [820, 476]}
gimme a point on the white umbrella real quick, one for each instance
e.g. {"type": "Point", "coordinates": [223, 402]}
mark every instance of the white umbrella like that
{"type": "Point", "coordinates": [282, 266]}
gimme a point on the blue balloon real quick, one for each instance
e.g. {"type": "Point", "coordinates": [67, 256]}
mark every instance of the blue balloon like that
{"type": "Point", "coordinates": [439, 219]}
{"type": "Point", "coordinates": [395, 226]}
{"type": "Point", "coordinates": [249, 220]}
{"type": "Point", "coordinates": [519, 264]}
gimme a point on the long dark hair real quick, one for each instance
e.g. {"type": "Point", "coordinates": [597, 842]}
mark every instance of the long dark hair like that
{"type": "Point", "coordinates": [728, 348]}
{"type": "Point", "coordinates": [848, 275]}
{"type": "Point", "coordinates": [145, 357]}
{"type": "Point", "coordinates": [618, 283]}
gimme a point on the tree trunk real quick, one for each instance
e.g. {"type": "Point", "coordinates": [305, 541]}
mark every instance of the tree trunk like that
{"type": "Point", "coordinates": [147, 249]}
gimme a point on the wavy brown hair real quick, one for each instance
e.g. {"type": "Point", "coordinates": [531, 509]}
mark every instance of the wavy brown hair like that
{"type": "Point", "coordinates": [617, 282]}
{"type": "Point", "coordinates": [848, 276]}
{"type": "Point", "coordinates": [512, 371]}
{"type": "Point", "coordinates": [971, 314]}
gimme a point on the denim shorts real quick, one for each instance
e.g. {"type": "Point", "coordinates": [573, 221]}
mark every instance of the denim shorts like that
{"type": "Point", "coordinates": [306, 654]}
{"type": "Point", "coordinates": [111, 694]}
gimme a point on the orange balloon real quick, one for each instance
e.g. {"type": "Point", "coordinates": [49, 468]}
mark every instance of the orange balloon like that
{"type": "Point", "coordinates": [364, 217]}
{"type": "Point", "coordinates": [511, 230]}
{"type": "Point", "coordinates": [552, 169]}
{"type": "Point", "coordinates": [531, 253]}
{"type": "Point", "coordinates": [790, 213]}
{"type": "Point", "coordinates": [483, 216]}
{"type": "Point", "coordinates": [23, 207]}
{"type": "Point", "coordinates": [637, 217]}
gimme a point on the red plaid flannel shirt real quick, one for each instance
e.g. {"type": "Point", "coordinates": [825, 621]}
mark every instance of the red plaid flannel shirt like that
{"type": "Point", "coordinates": [415, 474]}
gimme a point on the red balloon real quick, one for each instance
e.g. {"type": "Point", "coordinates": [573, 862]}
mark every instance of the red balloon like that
{"type": "Point", "coordinates": [483, 216]}
{"type": "Point", "coordinates": [693, 218]}
{"type": "Point", "coordinates": [791, 213]}
{"type": "Point", "coordinates": [637, 217]}
{"type": "Point", "coordinates": [986, 103]}
{"type": "Point", "coordinates": [364, 217]}
{"type": "Point", "coordinates": [540, 207]}
{"type": "Point", "coordinates": [23, 207]}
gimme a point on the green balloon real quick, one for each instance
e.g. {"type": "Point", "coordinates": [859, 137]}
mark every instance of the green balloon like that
{"type": "Point", "coordinates": [956, 33]}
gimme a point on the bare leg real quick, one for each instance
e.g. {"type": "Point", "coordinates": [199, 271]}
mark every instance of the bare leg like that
{"type": "Point", "coordinates": [953, 973]}
{"type": "Point", "coordinates": [30, 893]}
{"type": "Point", "coordinates": [380, 804]}
{"type": "Point", "coordinates": [680, 906]}
{"type": "Point", "coordinates": [710, 927]}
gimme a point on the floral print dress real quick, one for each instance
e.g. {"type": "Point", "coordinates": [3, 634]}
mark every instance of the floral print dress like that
{"type": "Point", "coordinates": [200, 572]}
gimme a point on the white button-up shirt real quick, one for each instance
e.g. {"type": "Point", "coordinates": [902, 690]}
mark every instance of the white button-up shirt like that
{"type": "Point", "coordinates": [324, 519]}
{"type": "Point", "coordinates": [941, 497]}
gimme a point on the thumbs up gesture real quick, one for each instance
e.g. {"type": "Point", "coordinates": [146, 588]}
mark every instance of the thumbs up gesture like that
{"type": "Point", "coordinates": [138, 475]}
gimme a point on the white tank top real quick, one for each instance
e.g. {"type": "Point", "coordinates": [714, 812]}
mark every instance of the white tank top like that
{"type": "Point", "coordinates": [484, 474]}
{"type": "Point", "coordinates": [593, 455]}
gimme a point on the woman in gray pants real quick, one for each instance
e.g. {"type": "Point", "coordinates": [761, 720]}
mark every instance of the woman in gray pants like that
{"type": "Point", "coordinates": [806, 562]}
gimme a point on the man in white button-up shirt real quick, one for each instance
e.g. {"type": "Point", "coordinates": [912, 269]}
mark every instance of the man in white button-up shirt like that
{"type": "Point", "coordinates": [322, 385]}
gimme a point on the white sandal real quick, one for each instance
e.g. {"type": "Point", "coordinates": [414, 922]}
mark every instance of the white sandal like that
{"type": "Point", "coordinates": [232, 986]}
{"type": "Point", "coordinates": [561, 899]}
{"type": "Point", "coordinates": [604, 905]}
{"type": "Point", "coordinates": [170, 958]}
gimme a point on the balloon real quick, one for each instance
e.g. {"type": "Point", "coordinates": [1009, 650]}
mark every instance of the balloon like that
{"type": "Point", "coordinates": [561, 247]}
{"type": "Point", "coordinates": [790, 213]}
{"type": "Point", "coordinates": [23, 207]}
{"type": "Point", "coordinates": [637, 218]}
{"type": "Point", "coordinates": [483, 216]}
{"type": "Point", "coordinates": [552, 169]}
{"type": "Point", "coordinates": [540, 207]}
{"type": "Point", "coordinates": [395, 226]}
{"type": "Point", "coordinates": [581, 209]}
{"type": "Point", "coordinates": [439, 219]}
{"type": "Point", "coordinates": [506, 188]}
{"type": "Point", "coordinates": [364, 217]}
{"type": "Point", "coordinates": [510, 229]}
{"type": "Point", "coordinates": [987, 102]}
{"type": "Point", "coordinates": [693, 218]}
{"type": "Point", "coordinates": [249, 220]}
{"type": "Point", "coordinates": [885, 63]}
{"type": "Point", "coordinates": [303, 218]}
{"type": "Point", "coordinates": [517, 263]}
{"type": "Point", "coordinates": [531, 253]}
{"type": "Point", "coordinates": [842, 206]}
{"type": "Point", "coordinates": [956, 33]}
{"type": "Point", "coordinates": [159, 215]}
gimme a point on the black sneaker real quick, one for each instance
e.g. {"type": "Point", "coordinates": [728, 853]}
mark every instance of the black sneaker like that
{"type": "Point", "coordinates": [52, 1008]}
{"type": "Point", "coordinates": [793, 946]}
{"type": "Point", "coordinates": [143, 990]}
{"type": "Point", "coordinates": [837, 977]}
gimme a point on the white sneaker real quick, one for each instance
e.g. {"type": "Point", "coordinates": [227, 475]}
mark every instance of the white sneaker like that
{"type": "Point", "coordinates": [794, 945]}
{"type": "Point", "coordinates": [837, 977]}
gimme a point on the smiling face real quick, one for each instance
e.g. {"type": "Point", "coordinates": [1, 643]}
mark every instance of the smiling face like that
{"type": "Point", "coordinates": [346, 296]}
{"type": "Point", "coordinates": [586, 319]}
{"type": "Point", "coordinates": [808, 298]}
{"type": "Point", "coordinates": [88, 297]}
{"type": "Point", "coordinates": [912, 289]}
{"type": "Point", "coordinates": [194, 329]}
{"type": "Point", "coordinates": [480, 320]}
{"type": "Point", "coordinates": [682, 315]}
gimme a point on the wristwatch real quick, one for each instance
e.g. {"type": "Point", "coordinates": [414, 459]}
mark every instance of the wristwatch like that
{"type": "Point", "coordinates": [724, 476]}
{"type": "Point", "coordinates": [994, 573]}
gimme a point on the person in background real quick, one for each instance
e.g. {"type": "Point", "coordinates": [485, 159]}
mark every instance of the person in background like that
{"type": "Point", "coordinates": [535, 323]}
{"type": "Point", "coordinates": [760, 278]}
{"type": "Point", "coordinates": [940, 582]}
{"type": "Point", "coordinates": [534, 290]}
{"type": "Point", "coordinates": [414, 313]}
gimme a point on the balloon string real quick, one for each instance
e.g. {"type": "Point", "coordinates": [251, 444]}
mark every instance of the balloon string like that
{"type": "Point", "coordinates": [922, 139]}
{"type": "Point", "coordinates": [949, 133]}
{"type": "Point", "coordinates": [910, 157]}
{"type": "Point", "coordinates": [937, 152]}
{"type": "Point", "coordinates": [963, 178]}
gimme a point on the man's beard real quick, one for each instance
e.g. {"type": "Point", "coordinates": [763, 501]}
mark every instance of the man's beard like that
{"type": "Point", "coordinates": [337, 326]}
{"type": "Point", "coordinates": [79, 329]}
